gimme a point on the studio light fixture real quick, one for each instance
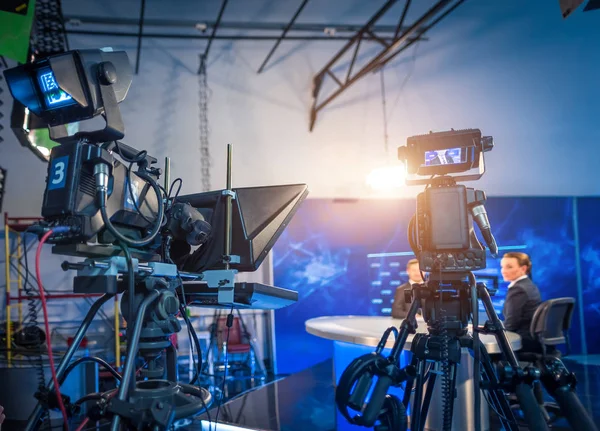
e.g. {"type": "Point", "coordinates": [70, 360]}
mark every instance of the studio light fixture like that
{"type": "Point", "coordinates": [387, 178]}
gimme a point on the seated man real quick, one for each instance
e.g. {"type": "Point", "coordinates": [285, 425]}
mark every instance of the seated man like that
{"type": "Point", "coordinates": [400, 307]}
{"type": "Point", "coordinates": [522, 299]}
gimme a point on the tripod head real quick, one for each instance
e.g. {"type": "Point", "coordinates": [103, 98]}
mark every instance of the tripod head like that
{"type": "Point", "coordinates": [445, 301]}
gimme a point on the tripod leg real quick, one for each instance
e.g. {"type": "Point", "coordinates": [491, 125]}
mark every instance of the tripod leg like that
{"type": "Point", "coordinates": [498, 399]}
{"type": "Point", "coordinates": [415, 410]}
{"type": "Point", "coordinates": [375, 404]}
{"type": "Point", "coordinates": [34, 419]}
{"type": "Point", "coordinates": [128, 382]}
{"type": "Point", "coordinates": [476, 351]}
{"type": "Point", "coordinates": [560, 384]}
{"type": "Point", "coordinates": [408, 326]}
{"type": "Point", "coordinates": [427, 399]}
{"type": "Point", "coordinates": [501, 338]}
{"type": "Point", "coordinates": [408, 386]}
{"type": "Point", "coordinates": [531, 410]}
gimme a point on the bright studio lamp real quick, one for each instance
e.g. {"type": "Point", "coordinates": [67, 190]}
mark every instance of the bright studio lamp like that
{"type": "Point", "coordinates": [387, 178]}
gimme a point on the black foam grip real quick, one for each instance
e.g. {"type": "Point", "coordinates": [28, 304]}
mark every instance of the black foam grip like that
{"type": "Point", "coordinates": [375, 404]}
{"type": "Point", "coordinates": [531, 409]}
{"type": "Point", "coordinates": [571, 407]}
{"type": "Point", "coordinates": [360, 392]}
{"type": "Point", "coordinates": [490, 241]}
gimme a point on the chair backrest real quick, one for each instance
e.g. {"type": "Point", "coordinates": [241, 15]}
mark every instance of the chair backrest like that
{"type": "Point", "coordinates": [235, 334]}
{"type": "Point", "coordinates": [552, 320]}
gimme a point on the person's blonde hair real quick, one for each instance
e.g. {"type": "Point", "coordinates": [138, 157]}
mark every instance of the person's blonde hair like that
{"type": "Point", "coordinates": [522, 259]}
{"type": "Point", "coordinates": [411, 263]}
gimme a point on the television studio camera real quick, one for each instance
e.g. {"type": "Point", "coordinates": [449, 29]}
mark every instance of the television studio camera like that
{"type": "Point", "coordinates": [162, 251]}
{"type": "Point", "coordinates": [442, 238]}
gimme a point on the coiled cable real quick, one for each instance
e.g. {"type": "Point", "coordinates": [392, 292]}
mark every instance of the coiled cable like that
{"type": "Point", "coordinates": [446, 383]}
{"type": "Point", "coordinates": [447, 396]}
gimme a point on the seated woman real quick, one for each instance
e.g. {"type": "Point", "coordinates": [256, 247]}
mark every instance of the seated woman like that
{"type": "Point", "coordinates": [522, 298]}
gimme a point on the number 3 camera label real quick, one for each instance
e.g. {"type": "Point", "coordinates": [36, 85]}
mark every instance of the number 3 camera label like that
{"type": "Point", "coordinates": [58, 173]}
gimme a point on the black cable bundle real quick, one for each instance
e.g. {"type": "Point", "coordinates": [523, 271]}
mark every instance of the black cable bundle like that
{"type": "Point", "coordinates": [447, 395]}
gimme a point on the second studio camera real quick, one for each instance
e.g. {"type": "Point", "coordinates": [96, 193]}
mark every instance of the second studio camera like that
{"type": "Point", "coordinates": [441, 232]}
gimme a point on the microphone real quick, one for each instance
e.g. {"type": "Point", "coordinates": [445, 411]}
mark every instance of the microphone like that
{"type": "Point", "coordinates": [480, 216]}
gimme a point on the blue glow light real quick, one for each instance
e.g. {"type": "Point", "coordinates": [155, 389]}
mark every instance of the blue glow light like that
{"type": "Point", "coordinates": [54, 96]}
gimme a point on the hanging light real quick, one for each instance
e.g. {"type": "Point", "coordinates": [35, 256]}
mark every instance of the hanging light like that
{"type": "Point", "coordinates": [391, 176]}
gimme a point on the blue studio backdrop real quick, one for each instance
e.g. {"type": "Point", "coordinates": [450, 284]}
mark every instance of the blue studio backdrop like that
{"type": "Point", "coordinates": [347, 257]}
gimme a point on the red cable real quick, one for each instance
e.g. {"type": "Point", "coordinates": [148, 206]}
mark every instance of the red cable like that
{"type": "Point", "coordinates": [87, 419]}
{"type": "Point", "coordinates": [83, 424]}
{"type": "Point", "coordinates": [47, 326]}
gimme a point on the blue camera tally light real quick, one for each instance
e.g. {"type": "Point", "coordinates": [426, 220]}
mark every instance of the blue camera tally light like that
{"type": "Point", "coordinates": [54, 96]}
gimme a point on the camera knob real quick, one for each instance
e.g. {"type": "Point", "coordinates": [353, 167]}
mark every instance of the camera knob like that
{"type": "Point", "coordinates": [167, 306]}
{"type": "Point", "coordinates": [171, 305]}
{"type": "Point", "coordinates": [107, 73]}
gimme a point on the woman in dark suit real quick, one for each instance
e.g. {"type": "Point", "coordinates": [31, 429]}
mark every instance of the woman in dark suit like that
{"type": "Point", "coordinates": [522, 299]}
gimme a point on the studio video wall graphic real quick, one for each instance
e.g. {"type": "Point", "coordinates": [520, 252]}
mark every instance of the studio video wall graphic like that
{"type": "Point", "coordinates": [347, 257]}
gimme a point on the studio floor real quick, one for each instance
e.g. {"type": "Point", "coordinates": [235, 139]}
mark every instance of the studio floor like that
{"type": "Point", "coordinates": [305, 401]}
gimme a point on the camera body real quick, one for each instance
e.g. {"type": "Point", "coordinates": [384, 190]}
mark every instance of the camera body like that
{"type": "Point", "coordinates": [442, 234]}
{"type": "Point", "coordinates": [70, 88]}
{"type": "Point", "coordinates": [70, 195]}
{"type": "Point", "coordinates": [445, 236]}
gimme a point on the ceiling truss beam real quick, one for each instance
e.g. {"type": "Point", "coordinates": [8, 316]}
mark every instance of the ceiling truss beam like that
{"type": "Point", "coordinates": [403, 40]}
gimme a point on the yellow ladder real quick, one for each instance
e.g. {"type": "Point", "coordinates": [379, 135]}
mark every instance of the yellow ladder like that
{"type": "Point", "coordinates": [9, 281]}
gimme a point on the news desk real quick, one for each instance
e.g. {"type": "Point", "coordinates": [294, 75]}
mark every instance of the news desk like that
{"type": "Point", "coordinates": [354, 336]}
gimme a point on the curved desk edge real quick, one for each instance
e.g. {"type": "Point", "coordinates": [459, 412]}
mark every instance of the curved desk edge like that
{"type": "Point", "coordinates": [312, 327]}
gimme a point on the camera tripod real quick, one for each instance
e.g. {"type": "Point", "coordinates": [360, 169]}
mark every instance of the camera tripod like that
{"type": "Point", "coordinates": [447, 306]}
{"type": "Point", "coordinates": [154, 403]}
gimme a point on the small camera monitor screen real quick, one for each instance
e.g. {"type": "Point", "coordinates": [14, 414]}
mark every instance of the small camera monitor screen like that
{"type": "Point", "coordinates": [54, 96]}
{"type": "Point", "coordinates": [448, 156]}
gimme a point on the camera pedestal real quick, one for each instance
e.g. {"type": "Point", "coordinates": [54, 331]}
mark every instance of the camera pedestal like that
{"type": "Point", "coordinates": [153, 402]}
{"type": "Point", "coordinates": [160, 402]}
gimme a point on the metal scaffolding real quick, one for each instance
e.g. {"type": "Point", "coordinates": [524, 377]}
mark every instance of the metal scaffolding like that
{"type": "Point", "coordinates": [15, 247]}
